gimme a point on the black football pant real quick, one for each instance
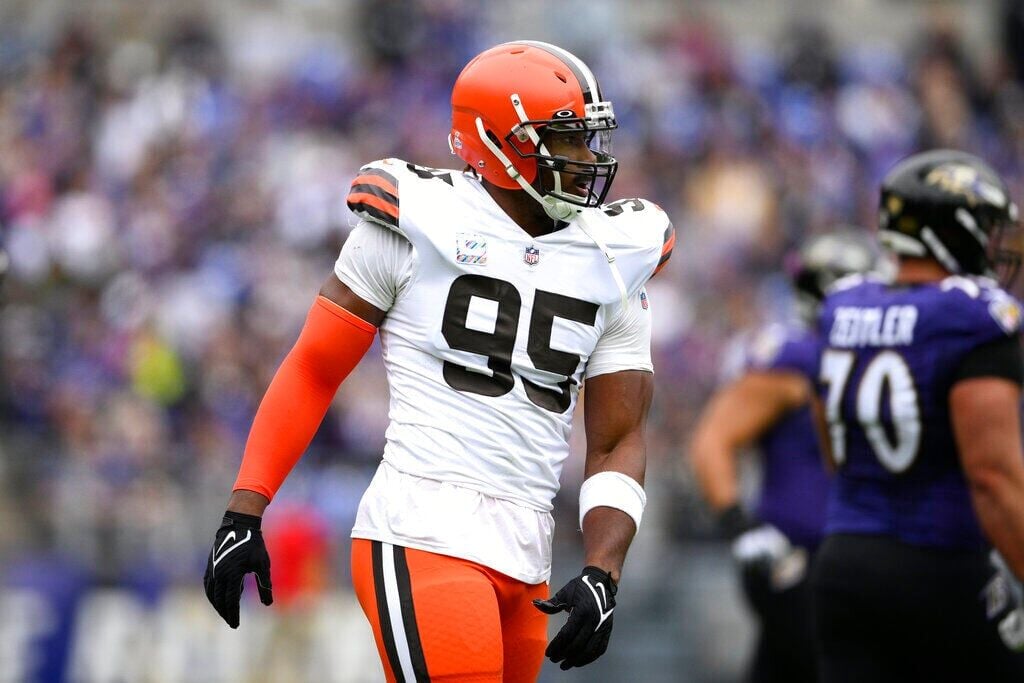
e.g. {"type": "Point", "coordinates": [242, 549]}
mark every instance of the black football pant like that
{"type": "Point", "coordinates": [785, 644]}
{"type": "Point", "coordinates": [889, 612]}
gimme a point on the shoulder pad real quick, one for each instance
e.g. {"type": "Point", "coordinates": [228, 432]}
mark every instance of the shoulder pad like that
{"type": "Point", "coordinates": [851, 281]}
{"type": "Point", "coordinates": [668, 242]}
{"type": "Point", "coordinates": [650, 223]}
{"type": "Point", "coordinates": [1004, 309]}
{"type": "Point", "coordinates": [626, 206]}
{"type": "Point", "coordinates": [765, 346]}
{"type": "Point", "coordinates": [374, 194]}
{"type": "Point", "coordinates": [985, 294]}
{"type": "Point", "coordinates": [969, 286]}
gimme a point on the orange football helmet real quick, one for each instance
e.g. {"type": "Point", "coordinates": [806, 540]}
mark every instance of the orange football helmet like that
{"type": "Point", "coordinates": [507, 97]}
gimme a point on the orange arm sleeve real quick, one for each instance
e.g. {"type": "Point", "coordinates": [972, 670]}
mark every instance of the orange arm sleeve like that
{"type": "Point", "coordinates": [331, 344]}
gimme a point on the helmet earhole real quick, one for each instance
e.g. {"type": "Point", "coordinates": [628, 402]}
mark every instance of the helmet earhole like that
{"type": "Point", "coordinates": [494, 138]}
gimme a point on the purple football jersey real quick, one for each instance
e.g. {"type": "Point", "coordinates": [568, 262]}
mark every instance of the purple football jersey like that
{"type": "Point", "coordinates": [890, 354]}
{"type": "Point", "coordinates": [794, 490]}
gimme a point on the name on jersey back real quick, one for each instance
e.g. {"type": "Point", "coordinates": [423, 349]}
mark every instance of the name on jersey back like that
{"type": "Point", "coordinates": [855, 326]}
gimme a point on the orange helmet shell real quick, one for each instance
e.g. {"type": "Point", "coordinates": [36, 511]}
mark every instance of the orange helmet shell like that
{"type": "Point", "coordinates": [546, 82]}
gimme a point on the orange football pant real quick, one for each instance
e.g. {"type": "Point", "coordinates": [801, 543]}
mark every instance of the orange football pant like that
{"type": "Point", "coordinates": [440, 618]}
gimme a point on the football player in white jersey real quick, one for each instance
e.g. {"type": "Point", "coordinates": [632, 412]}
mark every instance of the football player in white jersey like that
{"type": "Point", "coordinates": [497, 290]}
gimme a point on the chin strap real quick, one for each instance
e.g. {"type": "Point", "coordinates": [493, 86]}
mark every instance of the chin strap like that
{"type": "Point", "coordinates": [610, 257]}
{"type": "Point", "coordinates": [556, 209]}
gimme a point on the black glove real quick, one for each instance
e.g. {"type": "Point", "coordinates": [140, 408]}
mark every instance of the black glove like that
{"type": "Point", "coordinates": [590, 600]}
{"type": "Point", "coordinates": [237, 550]}
{"type": "Point", "coordinates": [768, 562]}
{"type": "Point", "coordinates": [1004, 603]}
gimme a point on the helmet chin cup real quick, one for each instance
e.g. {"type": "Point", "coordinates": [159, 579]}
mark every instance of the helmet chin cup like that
{"type": "Point", "coordinates": [558, 209]}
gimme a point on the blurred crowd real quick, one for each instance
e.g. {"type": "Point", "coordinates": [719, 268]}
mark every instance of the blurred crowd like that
{"type": "Point", "coordinates": [172, 199]}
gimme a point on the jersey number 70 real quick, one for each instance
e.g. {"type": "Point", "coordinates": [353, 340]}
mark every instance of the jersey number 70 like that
{"type": "Point", "coordinates": [886, 371]}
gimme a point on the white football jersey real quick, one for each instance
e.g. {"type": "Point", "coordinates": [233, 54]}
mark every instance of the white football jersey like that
{"type": "Point", "coordinates": [488, 337]}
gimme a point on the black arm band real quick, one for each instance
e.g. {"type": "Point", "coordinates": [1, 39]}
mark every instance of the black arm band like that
{"type": "Point", "coordinates": [1001, 358]}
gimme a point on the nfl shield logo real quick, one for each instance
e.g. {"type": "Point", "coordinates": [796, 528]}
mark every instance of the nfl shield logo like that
{"type": "Point", "coordinates": [531, 256]}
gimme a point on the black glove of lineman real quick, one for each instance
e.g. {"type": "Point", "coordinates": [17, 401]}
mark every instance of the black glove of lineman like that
{"type": "Point", "coordinates": [237, 550]}
{"type": "Point", "coordinates": [590, 600]}
{"type": "Point", "coordinates": [768, 562]}
{"type": "Point", "coordinates": [1004, 603]}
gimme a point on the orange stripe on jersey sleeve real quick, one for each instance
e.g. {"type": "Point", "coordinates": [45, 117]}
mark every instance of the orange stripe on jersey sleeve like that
{"type": "Point", "coordinates": [374, 195]}
{"type": "Point", "coordinates": [378, 182]}
{"type": "Point", "coordinates": [666, 248]}
{"type": "Point", "coordinates": [366, 199]}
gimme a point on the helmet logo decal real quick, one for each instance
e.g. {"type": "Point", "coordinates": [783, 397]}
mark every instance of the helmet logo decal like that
{"type": "Point", "coordinates": [952, 207]}
{"type": "Point", "coordinates": [964, 180]}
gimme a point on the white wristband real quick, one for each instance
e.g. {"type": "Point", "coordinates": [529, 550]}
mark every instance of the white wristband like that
{"type": "Point", "coordinates": [613, 490]}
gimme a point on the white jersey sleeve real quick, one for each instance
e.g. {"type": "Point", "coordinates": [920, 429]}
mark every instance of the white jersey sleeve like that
{"type": "Point", "coordinates": [376, 263]}
{"type": "Point", "coordinates": [626, 343]}
{"type": "Point", "coordinates": [374, 193]}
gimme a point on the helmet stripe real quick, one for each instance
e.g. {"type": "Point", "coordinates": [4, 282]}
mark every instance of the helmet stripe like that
{"type": "Point", "coordinates": [939, 251]}
{"type": "Point", "coordinates": [964, 218]}
{"type": "Point", "coordinates": [588, 83]}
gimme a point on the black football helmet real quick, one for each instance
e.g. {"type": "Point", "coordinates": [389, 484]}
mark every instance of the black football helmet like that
{"type": "Point", "coordinates": [825, 258]}
{"type": "Point", "coordinates": [950, 206]}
